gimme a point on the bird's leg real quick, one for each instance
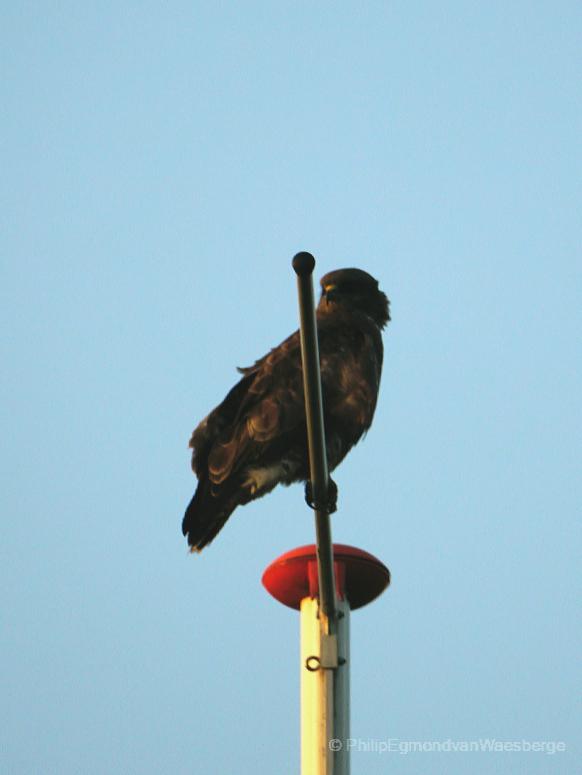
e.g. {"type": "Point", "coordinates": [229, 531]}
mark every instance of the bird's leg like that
{"type": "Point", "coordinates": [330, 504]}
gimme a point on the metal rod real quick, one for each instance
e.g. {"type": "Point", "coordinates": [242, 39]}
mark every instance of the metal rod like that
{"type": "Point", "coordinates": [303, 264]}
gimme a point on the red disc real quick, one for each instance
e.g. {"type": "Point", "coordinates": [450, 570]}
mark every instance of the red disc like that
{"type": "Point", "coordinates": [360, 577]}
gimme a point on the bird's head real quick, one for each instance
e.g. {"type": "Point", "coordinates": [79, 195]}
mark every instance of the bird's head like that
{"type": "Point", "coordinates": [356, 289]}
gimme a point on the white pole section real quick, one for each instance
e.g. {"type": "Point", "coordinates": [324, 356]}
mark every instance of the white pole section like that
{"type": "Point", "coordinates": [325, 724]}
{"type": "Point", "coordinates": [341, 674]}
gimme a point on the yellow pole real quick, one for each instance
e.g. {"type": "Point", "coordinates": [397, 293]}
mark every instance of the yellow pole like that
{"type": "Point", "coordinates": [325, 714]}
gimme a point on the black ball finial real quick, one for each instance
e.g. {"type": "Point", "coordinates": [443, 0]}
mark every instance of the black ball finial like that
{"type": "Point", "coordinates": [303, 264]}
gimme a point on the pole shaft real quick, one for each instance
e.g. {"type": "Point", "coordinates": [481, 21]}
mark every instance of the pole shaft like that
{"type": "Point", "coordinates": [303, 263]}
{"type": "Point", "coordinates": [325, 695]}
{"type": "Point", "coordinates": [341, 691]}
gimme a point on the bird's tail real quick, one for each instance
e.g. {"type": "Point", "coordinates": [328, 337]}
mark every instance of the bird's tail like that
{"type": "Point", "coordinates": [205, 516]}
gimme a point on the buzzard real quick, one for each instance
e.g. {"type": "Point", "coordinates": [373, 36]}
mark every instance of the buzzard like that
{"type": "Point", "coordinates": [257, 437]}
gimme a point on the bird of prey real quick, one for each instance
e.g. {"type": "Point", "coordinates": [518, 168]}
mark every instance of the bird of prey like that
{"type": "Point", "coordinates": [257, 437]}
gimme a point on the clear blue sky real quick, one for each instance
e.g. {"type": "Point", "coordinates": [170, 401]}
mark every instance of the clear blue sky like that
{"type": "Point", "coordinates": [161, 164]}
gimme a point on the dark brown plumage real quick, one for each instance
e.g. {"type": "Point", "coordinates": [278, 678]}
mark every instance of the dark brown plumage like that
{"type": "Point", "coordinates": [256, 438]}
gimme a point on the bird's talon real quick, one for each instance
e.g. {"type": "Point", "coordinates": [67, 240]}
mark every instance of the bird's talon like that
{"type": "Point", "coordinates": [330, 505]}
